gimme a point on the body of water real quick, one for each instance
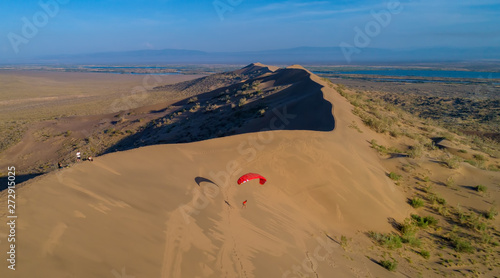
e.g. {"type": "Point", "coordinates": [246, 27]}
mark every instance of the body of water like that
{"type": "Point", "coordinates": [140, 73]}
{"type": "Point", "coordinates": [422, 73]}
{"type": "Point", "coordinates": [125, 70]}
{"type": "Point", "coordinates": [419, 80]}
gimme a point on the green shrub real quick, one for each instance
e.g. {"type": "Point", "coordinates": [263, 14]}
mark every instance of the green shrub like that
{"type": "Point", "coordinates": [491, 213]}
{"type": "Point", "coordinates": [425, 221]}
{"type": "Point", "coordinates": [390, 241]}
{"type": "Point", "coordinates": [193, 100]}
{"type": "Point", "coordinates": [453, 162]}
{"type": "Point", "coordinates": [408, 229]}
{"type": "Point", "coordinates": [389, 265]}
{"type": "Point", "coordinates": [450, 182]}
{"type": "Point", "coordinates": [471, 162]}
{"type": "Point", "coordinates": [462, 246]}
{"type": "Point", "coordinates": [442, 210]}
{"type": "Point", "coordinates": [434, 198]}
{"type": "Point", "coordinates": [481, 188]}
{"type": "Point", "coordinates": [479, 157]}
{"type": "Point", "coordinates": [414, 242]}
{"type": "Point", "coordinates": [486, 238]}
{"type": "Point", "coordinates": [431, 146]}
{"type": "Point", "coordinates": [416, 151]}
{"type": "Point", "coordinates": [408, 233]}
{"type": "Point", "coordinates": [110, 131]}
{"type": "Point", "coordinates": [373, 123]}
{"type": "Point", "coordinates": [394, 133]}
{"type": "Point", "coordinates": [417, 202]}
{"type": "Point", "coordinates": [479, 225]}
{"type": "Point", "coordinates": [425, 254]}
{"type": "Point", "coordinates": [343, 241]}
{"type": "Point", "coordinates": [394, 176]}
{"type": "Point", "coordinates": [382, 149]}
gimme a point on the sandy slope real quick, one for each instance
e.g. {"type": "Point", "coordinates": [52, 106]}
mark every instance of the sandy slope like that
{"type": "Point", "coordinates": [175, 210]}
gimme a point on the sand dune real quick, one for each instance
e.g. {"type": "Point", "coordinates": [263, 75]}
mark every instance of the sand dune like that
{"type": "Point", "coordinates": [175, 210]}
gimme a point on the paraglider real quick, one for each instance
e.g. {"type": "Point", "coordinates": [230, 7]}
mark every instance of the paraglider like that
{"type": "Point", "coordinates": [251, 176]}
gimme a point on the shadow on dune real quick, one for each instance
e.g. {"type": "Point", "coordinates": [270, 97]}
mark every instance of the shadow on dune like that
{"type": "Point", "coordinates": [199, 180]}
{"type": "Point", "coordinates": [4, 181]}
{"type": "Point", "coordinates": [288, 99]}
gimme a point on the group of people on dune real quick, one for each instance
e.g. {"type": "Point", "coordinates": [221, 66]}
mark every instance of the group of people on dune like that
{"type": "Point", "coordinates": [78, 159]}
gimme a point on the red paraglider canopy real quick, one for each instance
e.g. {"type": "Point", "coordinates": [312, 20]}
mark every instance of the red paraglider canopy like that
{"type": "Point", "coordinates": [251, 176]}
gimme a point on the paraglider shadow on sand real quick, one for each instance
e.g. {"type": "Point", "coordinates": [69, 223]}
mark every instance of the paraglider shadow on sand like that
{"type": "Point", "coordinates": [199, 180]}
{"type": "Point", "coordinates": [299, 106]}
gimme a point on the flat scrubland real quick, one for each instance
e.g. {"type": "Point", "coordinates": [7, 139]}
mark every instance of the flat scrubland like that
{"type": "Point", "coordinates": [450, 177]}
{"type": "Point", "coordinates": [466, 109]}
{"type": "Point", "coordinates": [31, 99]}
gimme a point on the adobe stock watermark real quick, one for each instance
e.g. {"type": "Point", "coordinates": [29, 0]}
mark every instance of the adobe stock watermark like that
{"type": "Point", "coordinates": [123, 274]}
{"type": "Point", "coordinates": [486, 87]}
{"type": "Point", "coordinates": [310, 264]}
{"type": "Point", "coordinates": [30, 27]}
{"type": "Point", "coordinates": [223, 6]}
{"type": "Point", "coordinates": [363, 37]}
{"type": "Point", "coordinates": [248, 151]}
{"type": "Point", "coordinates": [137, 94]}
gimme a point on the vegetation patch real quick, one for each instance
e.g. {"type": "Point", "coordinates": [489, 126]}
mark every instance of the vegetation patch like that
{"type": "Point", "coordinates": [390, 265]}
{"type": "Point", "coordinates": [481, 188]}
{"type": "Point", "coordinates": [390, 241]}
{"type": "Point", "coordinates": [394, 176]}
{"type": "Point", "coordinates": [426, 254]}
{"type": "Point", "coordinates": [416, 151]}
{"type": "Point", "coordinates": [491, 213]}
{"type": "Point", "coordinates": [417, 202]}
{"type": "Point", "coordinates": [451, 161]}
{"type": "Point", "coordinates": [425, 221]}
{"type": "Point", "coordinates": [382, 149]}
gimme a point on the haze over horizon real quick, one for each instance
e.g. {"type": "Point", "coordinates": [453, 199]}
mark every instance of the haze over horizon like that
{"type": "Point", "coordinates": [50, 27]}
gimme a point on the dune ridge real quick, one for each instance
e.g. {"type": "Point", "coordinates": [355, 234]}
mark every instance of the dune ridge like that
{"type": "Point", "coordinates": [174, 210]}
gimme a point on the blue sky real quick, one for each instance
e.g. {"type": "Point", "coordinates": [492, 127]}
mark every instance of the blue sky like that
{"type": "Point", "coordinates": [118, 25]}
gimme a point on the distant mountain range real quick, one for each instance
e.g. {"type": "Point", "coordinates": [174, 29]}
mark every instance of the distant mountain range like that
{"type": "Point", "coordinates": [298, 55]}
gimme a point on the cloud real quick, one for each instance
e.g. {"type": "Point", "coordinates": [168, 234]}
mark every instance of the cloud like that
{"type": "Point", "coordinates": [296, 9]}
